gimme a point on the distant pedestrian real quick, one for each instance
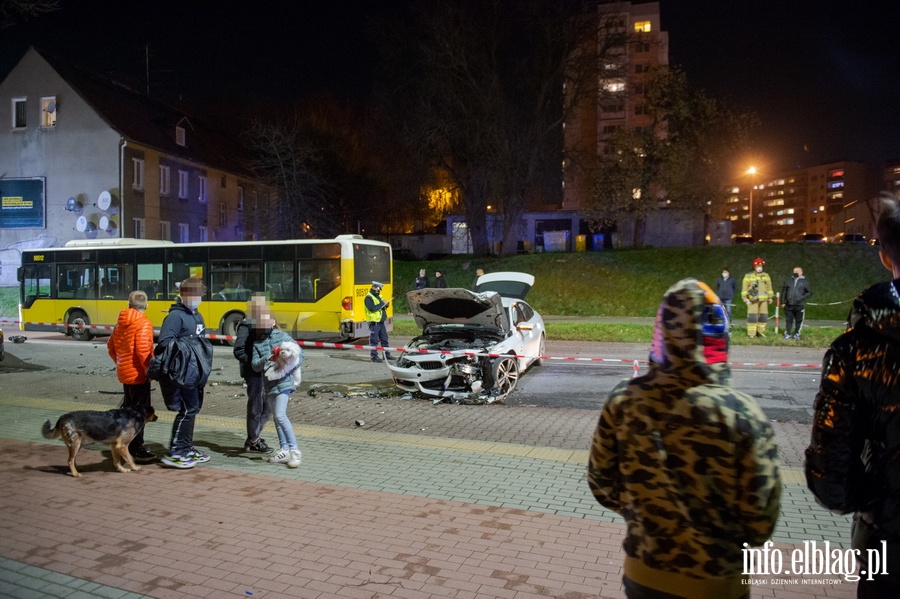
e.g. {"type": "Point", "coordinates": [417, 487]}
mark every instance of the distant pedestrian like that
{"type": "Point", "coordinates": [376, 316]}
{"type": "Point", "coordinates": [268, 345]}
{"type": "Point", "coordinates": [726, 289]}
{"type": "Point", "coordinates": [184, 322]}
{"type": "Point", "coordinates": [794, 294]}
{"type": "Point", "coordinates": [131, 346]}
{"type": "Point", "coordinates": [479, 272]}
{"type": "Point", "coordinates": [757, 292]}
{"type": "Point", "coordinates": [422, 279]}
{"type": "Point", "coordinates": [258, 408]}
{"type": "Point", "coordinates": [690, 463]}
{"type": "Point", "coordinates": [439, 281]}
{"type": "Point", "coordinates": [853, 458]}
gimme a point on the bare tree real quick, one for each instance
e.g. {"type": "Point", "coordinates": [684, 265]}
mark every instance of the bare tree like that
{"type": "Point", "coordinates": [12, 11]}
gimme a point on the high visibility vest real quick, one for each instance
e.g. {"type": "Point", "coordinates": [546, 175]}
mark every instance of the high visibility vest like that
{"type": "Point", "coordinates": [373, 315]}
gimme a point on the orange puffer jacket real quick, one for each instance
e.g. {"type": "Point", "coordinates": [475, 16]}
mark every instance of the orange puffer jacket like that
{"type": "Point", "coordinates": [131, 346]}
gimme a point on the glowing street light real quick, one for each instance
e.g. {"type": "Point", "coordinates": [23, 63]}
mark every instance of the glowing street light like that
{"type": "Point", "coordinates": [751, 171]}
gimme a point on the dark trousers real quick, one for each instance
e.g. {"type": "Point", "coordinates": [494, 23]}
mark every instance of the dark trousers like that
{"type": "Point", "coordinates": [378, 336]}
{"type": "Point", "coordinates": [793, 319]}
{"type": "Point", "coordinates": [137, 397]}
{"type": "Point", "coordinates": [188, 401]}
{"type": "Point", "coordinates": [634, 590]}
{"type": "Point", "coordinates": [258, 409]}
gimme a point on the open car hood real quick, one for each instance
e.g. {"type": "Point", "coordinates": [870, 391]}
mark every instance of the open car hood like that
{"type": "Point", "coordinates": [458, 306]}
{"type": "Point", "coordinates": [515, 285]}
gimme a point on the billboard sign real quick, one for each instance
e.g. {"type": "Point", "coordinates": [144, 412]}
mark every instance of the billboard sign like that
{"type": "Point", "coordinates": [23, 203]}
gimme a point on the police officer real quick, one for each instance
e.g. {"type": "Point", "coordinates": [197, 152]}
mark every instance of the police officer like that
{"type": "Point", "coordinates": [757, 292]}
{"type": "Point", "coordinates": [376, 314]}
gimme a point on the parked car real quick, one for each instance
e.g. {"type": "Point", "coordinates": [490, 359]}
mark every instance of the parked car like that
{"type": "Point", "coordinates": [474, 344]}
{"type": "Point", "coordinates": [812, 238]}
{"type": "Point", "coordinates": [740, 239]}
{"type": "Point", "coordinates": [849, 238]}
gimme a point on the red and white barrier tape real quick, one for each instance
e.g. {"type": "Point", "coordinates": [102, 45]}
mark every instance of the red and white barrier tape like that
{"type": "Point", "coordinates": [403, 350]}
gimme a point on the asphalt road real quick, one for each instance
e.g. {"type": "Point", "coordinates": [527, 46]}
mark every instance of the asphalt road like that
{"type": "Point", "coordinates": [779, 378]}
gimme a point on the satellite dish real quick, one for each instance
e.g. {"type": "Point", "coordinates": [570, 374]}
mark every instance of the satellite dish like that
{"type": "Point", "coordinates": [104, 201]}
{"type": "Point", "coordinates": [104, 223]}
{"type": "Point", "coordinates": [73, 205]}
{"type": "Point", "coordinates": [91, 231]}
{"type": "Point", "coordinates": [81, 224]}
{"type": "Point", "coordinates": [51, 106]}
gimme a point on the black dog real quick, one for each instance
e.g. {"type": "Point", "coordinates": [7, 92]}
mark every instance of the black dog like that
{"type": "Point", "coordinates": [114, 427]}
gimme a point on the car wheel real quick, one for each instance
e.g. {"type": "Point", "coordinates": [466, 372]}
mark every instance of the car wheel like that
{"type": "Point", "coordinates": [539, 361]}
{"type": "Point", "coordinates": [229, 326]}
{"type": "Point", "coordinates": [78, 321]}
{"type": "Point", "coordinates": [506, 375]}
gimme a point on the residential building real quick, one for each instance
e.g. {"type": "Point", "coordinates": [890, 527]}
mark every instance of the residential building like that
{"type": "Point", "coordinates": [629, 43]}
{"type": "Point", "coordinates": [84, 157]}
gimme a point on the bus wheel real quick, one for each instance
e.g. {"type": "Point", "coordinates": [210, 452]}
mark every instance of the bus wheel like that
{"type": "Point", "coordinates": [229, 326]}
{"type": "Point", "coordinates": [81, 333]}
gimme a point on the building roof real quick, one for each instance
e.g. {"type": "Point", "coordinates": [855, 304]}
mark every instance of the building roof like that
{"type": "Point", "coordinates": [149, 122]}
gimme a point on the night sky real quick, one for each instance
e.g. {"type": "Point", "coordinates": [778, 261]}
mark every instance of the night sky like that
{"type": "Point", "coordinates": [823, 75]}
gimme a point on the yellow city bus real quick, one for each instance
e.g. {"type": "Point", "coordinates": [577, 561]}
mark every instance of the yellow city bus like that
{"type": "Point", "coordinates": [316, 287]}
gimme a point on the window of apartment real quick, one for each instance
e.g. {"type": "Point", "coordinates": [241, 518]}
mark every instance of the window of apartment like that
{"type": "Point", "coordinates": [18, 113]}
{"type": "Point", "coordinates": [138, 228]}
{"type": "Point", "coordinates": [202, 195]}
{"type": "Point", "coordinates": [183, 184]}
{"type": "Point", "coordinates": [48, 111]}
{"type": "Point", "coordinates": [165, 230]}
{"type": "Point", "coordinates": [223, 182]}
{"type": "Point", "coordinates": [641, 68]}
{"type": "Point", "coordinates": [223, 214]}
{"type": "Point", "coordinates": [642, 47]}
{"type": "Point", "coordinates": [184, 234]}
{"type": "Point", "coordinates": [614, 86]}
{"type": "Point", "coordinates": [179, 136]}
{"type": "Point", "coordinates": [642, 27]}
{"type": "Point", "coordinates": [240, 205]}
{"type": "Point", "coordinates": [137, 174]}
{"type": "Point", "coordinates": [640, 109]}
{"type": "Point", "coordinates": [204, 234]}
{"type": "Point", "coordinates": [165, 182]}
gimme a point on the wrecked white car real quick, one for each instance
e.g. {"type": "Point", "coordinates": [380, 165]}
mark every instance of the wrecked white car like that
{"type": "Point", "coordinates": [473, 345]}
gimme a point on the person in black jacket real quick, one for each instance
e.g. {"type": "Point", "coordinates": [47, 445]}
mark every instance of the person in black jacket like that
{"type": "Point", "coordinates": [726, 289]}
{"type": "Point", "coordinates": [794, 293]}
{"type": "Point", "coordinates": [853, 459]}
{"type": "Point", "coordinates": [258, 410]}
{"type": "Point", "coordinates": [183, 321]}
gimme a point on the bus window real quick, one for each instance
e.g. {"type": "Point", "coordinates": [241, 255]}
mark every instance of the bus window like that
{"type": "Point", "coordinates": [319, 270]}
{"type": "Point", "coordinates": [150, 280]}
{"type": "Point", "coordinates": [371, 263]}
{"type": "Point", "coordinates": [234, 281]}
{"type": "Point", "coordinates": [36, 283]}
{"type": "Point", "coordinates": [76, 281]}
{"type": "Point", "coordinates": [280, 280]}
{"type": "Point", "coordinates": [116, 281]}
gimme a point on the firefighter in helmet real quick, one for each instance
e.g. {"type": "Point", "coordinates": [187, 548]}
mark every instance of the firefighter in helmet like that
{"type": "Point", "coordinates": [757, 293]}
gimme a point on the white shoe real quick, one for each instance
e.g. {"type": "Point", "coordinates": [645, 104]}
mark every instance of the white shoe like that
{"type": "Point", "coordinates": [280, 457]}
{"type": "Point", "coordinates": [295, 458]}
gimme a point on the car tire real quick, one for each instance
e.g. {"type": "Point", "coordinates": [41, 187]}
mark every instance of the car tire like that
{"type": "Point", "coordinates": [76, 318]}
{"type": "Point", "coordinates": [539, 361]}
{"type": "Point", "coordinates": [506, 375]}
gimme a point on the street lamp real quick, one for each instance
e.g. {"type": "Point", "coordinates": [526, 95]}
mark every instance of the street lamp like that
{"type": "Point", "coordinates": [751, 171]}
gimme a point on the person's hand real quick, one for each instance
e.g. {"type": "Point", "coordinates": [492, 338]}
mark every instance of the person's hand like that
{"type": "Point", "coordinates": [770, 300]}
{"type": "Point", "coordinates": [747, 302]}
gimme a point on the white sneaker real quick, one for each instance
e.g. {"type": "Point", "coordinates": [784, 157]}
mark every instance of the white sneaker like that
{"type": "Point", "coordinates": [279, 457]}
{"type": "Point", "coordinates": [295, 458]}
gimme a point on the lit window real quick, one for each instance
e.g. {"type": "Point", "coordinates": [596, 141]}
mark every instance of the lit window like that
{"type": "Point", "coordinates": [183, 184]}
{"type": "Point", "coordinates": [642, 27]}
{"type": "Point", "coordinates": [137, 181]}
{"type": "Point", "coordinates": [836, 173]}
{"type": "Point", "coordinates": [18, 113]}
{"type": "Point", "coordinates": [48, 111]}
{"type": "Point", "coordinates": [165, 183]}
{"type": "Point", "coordinates": [613, 87]}
{"type": "Point", "coordinates": [202, 195]}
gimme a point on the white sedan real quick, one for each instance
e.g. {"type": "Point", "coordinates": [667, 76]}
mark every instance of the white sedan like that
{"type": "Point", "coordinates": [474, 344]}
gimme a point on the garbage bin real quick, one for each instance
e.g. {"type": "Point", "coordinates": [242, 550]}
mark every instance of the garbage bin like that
{"type": "Point", "coordinates": [580, 243]}
{"type": "Point", "coordinates": [599, 241]}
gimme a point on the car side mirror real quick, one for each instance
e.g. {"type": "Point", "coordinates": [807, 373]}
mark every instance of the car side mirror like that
{"type": "Point", "coordinates": [525, 327]}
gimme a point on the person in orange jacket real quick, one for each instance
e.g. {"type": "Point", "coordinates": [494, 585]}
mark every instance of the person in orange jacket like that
{"type": "Point", "coordinates": [131, 346]}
